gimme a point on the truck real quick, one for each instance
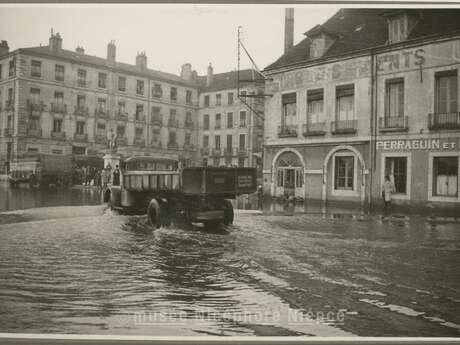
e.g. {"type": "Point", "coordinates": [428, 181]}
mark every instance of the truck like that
{"type": "Point", "coordinates": [163, 191]}
{"type": "Point", "coordinates": [40, 169]}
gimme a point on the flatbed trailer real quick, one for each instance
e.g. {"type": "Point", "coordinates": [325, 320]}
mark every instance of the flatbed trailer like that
{"type": "Point", "coordinates": [198, 194]}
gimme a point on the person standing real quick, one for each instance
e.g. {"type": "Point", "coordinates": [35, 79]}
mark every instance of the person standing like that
{"type": "Point", "coordinates": [387, 189]}
{"type": "Point", "coordinates": [105, 177]}
{"type": "Point", "coordinates": [116, 176]}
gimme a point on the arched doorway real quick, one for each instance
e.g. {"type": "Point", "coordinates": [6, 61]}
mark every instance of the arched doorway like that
{"type": "Point", "coordinates": [289, 174]}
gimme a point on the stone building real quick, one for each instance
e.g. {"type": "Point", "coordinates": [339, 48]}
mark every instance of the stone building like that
{"type": "Point", "coordinates": [369, 93]}
{"type": "Point", "coordinates": [56, 101]}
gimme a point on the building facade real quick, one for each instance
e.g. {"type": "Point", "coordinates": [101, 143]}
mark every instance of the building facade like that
{"type": "Point", "coordinates": [368, 94]}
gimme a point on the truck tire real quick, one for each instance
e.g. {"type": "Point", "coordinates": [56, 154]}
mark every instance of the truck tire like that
{"type": "Point", "coordinates": [154, 214]}
{"type": "Point", "coordinates": [165, 214]}
{"type": "Point", "coordinates": [228, 212]}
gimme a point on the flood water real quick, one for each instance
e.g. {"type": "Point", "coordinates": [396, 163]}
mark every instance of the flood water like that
{"type": "Point", "coordinates": [84, 269]}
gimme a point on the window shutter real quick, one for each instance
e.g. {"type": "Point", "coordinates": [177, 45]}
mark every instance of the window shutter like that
{"type": "Point", "coordinates": [289, 98]}
{"type": "Point", "coordinates": [345, 90]}
{"type": "Point", "coordinates": [315, 95]}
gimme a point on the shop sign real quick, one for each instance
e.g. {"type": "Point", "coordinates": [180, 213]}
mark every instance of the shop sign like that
{"type": "Point", "coordinates": [418, 144]}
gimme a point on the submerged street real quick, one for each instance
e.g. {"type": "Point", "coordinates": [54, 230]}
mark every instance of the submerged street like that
{"type": "Point", "coordinates": [84, 269]}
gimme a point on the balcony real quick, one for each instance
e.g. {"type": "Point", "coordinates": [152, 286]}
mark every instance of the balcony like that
{"type": "Point", "coordinates": [58, 135]}
{"type": "Point", "coordinates": [189, 147]}
{"type": "Point", "coordinates": [37, 133]}
{"type": "Point", "coordinates": [101, 139]}
{"type": "Point", "coordinates": [393, 124]}
{"type": "Point", "coordinates": [59, 108]}
{"type": "Point", "coordinates": [444, 121]}
{"type": "Point", "coordinates": [139, 117]}
{"type": "Point", "coordinates": [344, 127]}
{"type": "Point", "coordinates": [157, 120]}
{"type": "Point", "coordinates": [242, 151]}
{"type": "Point", "coordinates": [216, 152]}
{"type": "Point", "coordinates": [82, 137]}
{"type": "Point", "coordinates": [7, 132]}
{"type": "Point", "coordinates": [173, 123]}
{"type": "Point", "coordinates": [35, 106]}
{"type": "Point", "coordinates": [314, 129]}
{"type": "Point", "coordinates": [122, 141]}
{"type": "Point", "coordinates": [287, 131]}
{"type": "Point", "coordinates": [139, 142]}
{"type": "Point", "coordinates": [121, 116]}
{"type": "Point", "coordinates": [156, 143]}
{"type": "Point", "coordinates": [173, 145]}
{"type": "Point", "coordinates": [189, 124]}
{"type": "Point", "coordinates": [81, 110]}
{"type": "Point", "coordinates": [101, 112]}
{"type": "Point", "coordinates": [204, 151]}
{"type": "Point", "coordinates": [228, 151]}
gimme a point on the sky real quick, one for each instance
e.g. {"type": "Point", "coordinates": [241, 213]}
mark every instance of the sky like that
{"type": "Point", "coordinates": [170, 34]}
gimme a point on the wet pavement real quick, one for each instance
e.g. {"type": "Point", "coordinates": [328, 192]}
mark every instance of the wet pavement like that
{"type": "Point", "coordinates": [84, 269]}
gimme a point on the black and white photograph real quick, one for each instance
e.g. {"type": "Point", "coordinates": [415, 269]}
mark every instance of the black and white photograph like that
{"type": "Point", "coordinates": [230, 170]}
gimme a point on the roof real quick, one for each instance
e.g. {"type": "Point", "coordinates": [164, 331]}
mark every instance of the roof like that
{"type": "Point", "coordinates": [98, 61]}
{"type": "Point", "coordinates": [356, 29]}
{"type": "Point", "coordinates": [229, 80]}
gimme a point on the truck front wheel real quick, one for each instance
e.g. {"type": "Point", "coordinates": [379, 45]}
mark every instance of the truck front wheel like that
{"type": "Point", "coordinates": [154, 213]}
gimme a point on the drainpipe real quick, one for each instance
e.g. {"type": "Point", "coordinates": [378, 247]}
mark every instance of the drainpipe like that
{"type": "Point", "coordinates": [373, 126]}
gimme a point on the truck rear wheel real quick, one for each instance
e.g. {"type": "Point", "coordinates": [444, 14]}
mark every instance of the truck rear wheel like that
{"type": "Point", "coordinates": [228, 213]}
{"type": "Point", "coordinates": [154, 214]}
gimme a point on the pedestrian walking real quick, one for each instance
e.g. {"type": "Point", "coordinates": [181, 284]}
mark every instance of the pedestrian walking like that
{"type": "Point", "coordinates": [260, 192]}
{"type": "Point", "coordinates": [116, 176]}
{"type": "Point", "coordinates": [387, 189]}
{"type": "Point", "coordinates": [105, 177]}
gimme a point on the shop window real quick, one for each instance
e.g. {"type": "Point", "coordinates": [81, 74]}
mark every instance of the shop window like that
{"type": "Point", "coordinates": [445, 176]}
{"type": "Point", "coordinates": [344, 172]}
{"type": "Point", "coordinates": [396, 169]}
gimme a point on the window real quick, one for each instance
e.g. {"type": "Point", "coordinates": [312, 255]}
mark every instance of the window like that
{"type": "Point", "coordinates": [206, 122]}
{"type": "Point", "coordinates": [59, 97]}
{"type": "Point", "coordinates": [344, 172]}
{"type": "Point", "coordinates": [121, 107]}
{"type": "Point", "coordinates": [218, 99]}
{"type": "Point", "coordinates": [81, 100]}
{"type": "Point", "coordinates": [139, 112]}
{"type": "Point", "coordinates": [345, 103]}
{"type": "Point", "coordinates": [218, 121]}
{"type": "Point", "coordinates": [398, 29]}
{"type": "Point", "coordinates": [188, 97]}
{"type": "Point", "coordinates": [81, 78]}
{"type": "Point", "coordinates": [10, 95]}
{"type": "Point", "coordinates": [230, 120]}
{"type": "Point", "coordinates": [446, 92]}
{"type": "Point", "coordinates": [139, 133]}
{"type": "Point", "coordinates": [157, 91]}
{"type": "Point", "coordinates": [173, 94]}
{"type": "Point", "coordinates": [280, 178]}
{"type": "Point", "coordinates": [445, 176]}
{"type": "Point", "coordinates": [217, 142]}
{"type": "Point", "coordinates": [229, 142]}
{"type": "Point", "coordinates": [102, 82]}
{"type": "Point", "coordinates": [57, 125]}
{"type": "Point", "coordinates": [12, 68]}
{"type": "Point", "coordinates": [241, 162]}
{"type": "Point", "coordinates": [206, 100]}
{"type": "Point", "coordinates": [36, 69]}
{"type": "Point", "coordinates": [243, 94]}
{"type": "Point", "coordinates": [35, 96]}
{"type": "Point", "coordinates": [205, 141]}
{"type": "Point", "coordinates": [33, 123]}
{"type": "Point", "coordinates": [394, 98]}
{"type": "Point", "coordinates": [242, 141]}
{"type": "Point", "coordinates": [187, 138]}
{"type": "Point", "coordinates": [230, 98]}
{"type": "Point", "coordinates": [80, 127]}
{"type": "Point", "coordinates": [122, 84]}
{"type": "Point", "coordinates": [140, 87]}
{"type": "Point", "coordinates": [101, 105]}
{"type": "Point", "coordinates": [121, 131]}
{"type": "Point", "coordinates": [59, 72]}
{"type": "Point", "coordinates": [315, 106]}
{"type": "Point", "coordinates": [172, 137]}
{"type": "Point", "coordinates": [289, 106]}
{"type": "Point", "coordinates": [317, 47]}
{"type": "Point", "coordinates": [100, 129]}
{"type": "Point", "coordinates": [396, 169]}
{"type": "Point", "coordinates": [78, 150]}
{"type": "Point", "coordinates": [243, 118]}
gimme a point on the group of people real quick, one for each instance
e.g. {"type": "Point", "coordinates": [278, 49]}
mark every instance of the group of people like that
{"type": "Point", "coordinates": [101, 178]}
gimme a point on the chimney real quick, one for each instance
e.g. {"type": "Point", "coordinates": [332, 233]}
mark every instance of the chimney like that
{"type": "Point", "coordinates": [80, 50]}
{"type": "Point", "coordinates": [288, 29]}
{"type": "Point", "coordinates": [55, 41]}
{"type": "Point", "coordinates": [111, 51]}
{"type": "Point", "coordinates": [209, 75]}
{"type": "Point", "coordinates": [141, 60]}
{"type": "Point", "coordinates": [186, 72]}
{"type": "Point", "coordinates": [4, 49]}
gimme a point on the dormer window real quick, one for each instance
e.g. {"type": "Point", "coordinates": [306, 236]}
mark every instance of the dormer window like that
{"type": "Point", "coordinates": [316, 47]}
{"type": "Point", "coordinates": [320, 41]}
{"type": "Point", "coordinates": [398, 28]}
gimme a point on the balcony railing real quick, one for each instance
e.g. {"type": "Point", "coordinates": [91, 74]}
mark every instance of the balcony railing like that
{"type": "Point", "coordinates": [204, 151]}
{"type": "Point", "coordinates": [157, 120]}
{"type": "Point", "coordinates": [139, 142]}
{"type": "Point", "coordinates": [314, 129]}
{"type": "Point", "coordinates": [100, 112]}
{"type": "Point", "coordinates": [121, 115]}
{"type": "Point", "coordinates": [35, 106]}
{"type": "Point", "coordinates": [58, 135]}
{"type": "Point", "coordinates": [393, 123]}
{"type": "Point", "coordinates": [228, 151]}
{"type": "Point", "coordinates": [139, 117]}
{"type": "Point", "coordinates": [80, 137]}
{"type": "Point", "coordinates": [156, 144]}
{"type": "Point", "coordinates": [189, 147]}
{"type": "Point", "coordinates": [444, 121]}
{"type": "Point", "coordinates": [242, 151]}
{"type": "Point", "coordinates": [173, 123]}
{"type": "Point", "coordinates": [217, 152]}
{"type": "Point", "coordinates": [81, 110]}
{"type": "Point", "coordinates": [344, 127]}
{"type": "Point", "coordinates": [122, 141]}
{"type": "Point", "coordinates": [59, 108]}
{"type": "Point", "coordinates": [189, 124]}
{"type": "Point", "coordinates": [101, 139]}
{"type": "Point", "coordinates": [34, 132]}
{"type": "Point", "coordinates": [173, 145]}
{"type": "Point", "coordinates": [287, 131]}
{"type": "Point", "coordinates": [7, 132]}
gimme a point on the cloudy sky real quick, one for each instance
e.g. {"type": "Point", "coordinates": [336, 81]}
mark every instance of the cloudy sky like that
{"type": "Point", "coordinates": [170, 34]}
